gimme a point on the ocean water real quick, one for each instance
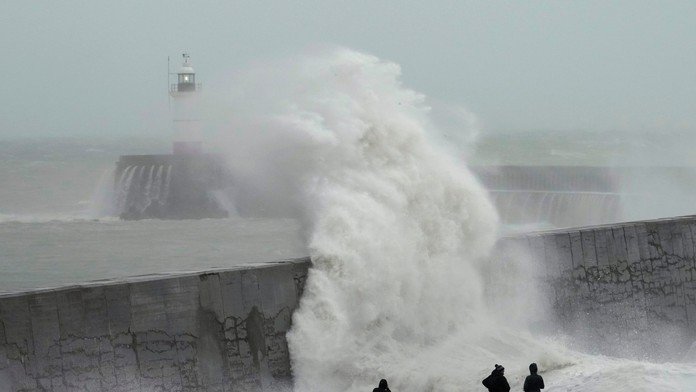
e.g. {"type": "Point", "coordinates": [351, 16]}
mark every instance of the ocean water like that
{"type": "Point", "coordinates": [45, 179]}
{"type": "Point", "coordinates": [63, 252]}
{"type": "Point", "coordinates": [52, 233]}
{"type": "Point", "coordinates": [398, 229]}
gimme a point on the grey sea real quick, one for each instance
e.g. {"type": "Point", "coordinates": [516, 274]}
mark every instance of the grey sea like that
{"type": "Point", "coordinates": [51, 234]}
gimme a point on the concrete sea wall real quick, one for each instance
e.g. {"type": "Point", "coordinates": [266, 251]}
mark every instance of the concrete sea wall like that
{"type": "Point", "coordinates": [215, 331]}
{"type": "Point", "coordinates": [173, 186]}
{"type": "Point", "coordinates": [571, 196]}
{"type": "Point", "coordinates": [225, 330]}
{"type": "Point", "coordinates": [625, 289]}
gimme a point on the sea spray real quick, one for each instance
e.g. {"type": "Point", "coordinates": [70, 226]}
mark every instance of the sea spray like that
{"type": "Point", "coordinates": [103, 197]}
{"type": "Point", "coordinates": [397, 227]}
{"type": "Point", "coordinates": [398, 231]}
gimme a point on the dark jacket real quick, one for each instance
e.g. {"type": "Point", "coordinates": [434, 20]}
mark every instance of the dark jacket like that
{"type": "Point", "coordinates": [383, 386]}
{"type": "Point", "coordinates": [496, 382]}
{"type": "Point", "coordinates": [533, 382]}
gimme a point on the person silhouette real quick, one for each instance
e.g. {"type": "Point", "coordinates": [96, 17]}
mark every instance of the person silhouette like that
{"type": "Point", "coordinates": [497, 382]}
{"type": "Point", "coordinates": [383, 387]}
{"type": "Point", "coordinates": [533, 382]}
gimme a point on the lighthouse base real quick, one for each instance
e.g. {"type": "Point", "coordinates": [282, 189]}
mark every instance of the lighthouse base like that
{"type": "Point", "coordinates": [173, 186]}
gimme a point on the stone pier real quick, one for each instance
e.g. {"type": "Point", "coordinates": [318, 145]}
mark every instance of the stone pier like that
{"type": "Point", "coordinates": [633, 283]}
{"type": "Point", "coordinates": [213, 331]}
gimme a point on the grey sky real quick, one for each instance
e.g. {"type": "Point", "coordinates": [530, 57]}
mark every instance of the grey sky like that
{"type": "Point", "coordinates": [99, 67]}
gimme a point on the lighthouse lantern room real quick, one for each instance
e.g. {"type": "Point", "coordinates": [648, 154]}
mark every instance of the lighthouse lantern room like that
{"type": "Point", "coordinates": [186, 77]}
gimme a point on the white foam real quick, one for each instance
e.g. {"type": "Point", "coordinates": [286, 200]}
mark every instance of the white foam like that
{"type": "Point", "coordinates": [397, 231]}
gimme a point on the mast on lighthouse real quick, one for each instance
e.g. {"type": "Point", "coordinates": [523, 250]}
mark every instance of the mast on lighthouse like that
{"type": "Point", "coordinates": [186, 110]}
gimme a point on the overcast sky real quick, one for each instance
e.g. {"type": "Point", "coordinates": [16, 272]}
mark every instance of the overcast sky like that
{"type": "Point", "coordinates": [99, 67]}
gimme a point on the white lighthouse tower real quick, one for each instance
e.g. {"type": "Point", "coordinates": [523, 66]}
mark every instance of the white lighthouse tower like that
{"type": "Point", "coordinates": [186, 118]}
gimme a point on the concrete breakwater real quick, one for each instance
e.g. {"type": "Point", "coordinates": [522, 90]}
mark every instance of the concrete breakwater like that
{"type": "Point", "coordinates": [173, 186]}
{"type": "Point", "coordinates": [214, 331]}
{"type": "Point", "coordinates": [571, 196]}
{"type": "Point", "coordinates": [626, 289]}
{"type": "Point", "coordinates": [225, 330]}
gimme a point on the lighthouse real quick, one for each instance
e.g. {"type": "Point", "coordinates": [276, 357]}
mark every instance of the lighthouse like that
{"type": "Point", "coordinates": [185, 109]}
{"type": "Point", "coordinates": [187, 184]}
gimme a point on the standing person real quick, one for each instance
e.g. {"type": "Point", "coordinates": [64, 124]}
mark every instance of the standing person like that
{"type": "Point", "coordinates": [383, 387]}
{"type": "Point", "coordinates": [497, 382]}
{"type": "Point", "coordinates": [533, 382]}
